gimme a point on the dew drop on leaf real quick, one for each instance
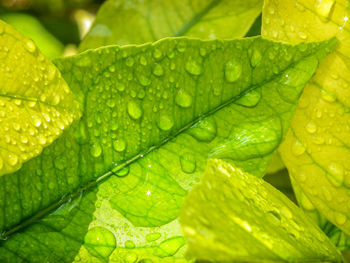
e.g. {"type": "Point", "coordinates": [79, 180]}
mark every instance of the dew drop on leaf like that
{"type": "Point", "coordinates": [188, 163]}
{"type": "Point", "coordinates": [119, 145]}
{"type": "Point", "coordinates": [311, 127]}
{"type": "Point", "coordinates": [169, 247]}
{"type": "Point", "coordinates": [233, 70]}
{"type": "Point", "coordinates": [336, 173]}
{"type": "Point", "coordinates": [129, 244]}
{"type": "Point", "coordinates": [205, 130]}
{"type": "Point", "coordinates": [30, 46]}
{"type": "Point", "coordinates": [131, 258]}
{"type": "Point", "coordinates": [165, 122]}
{"type": "Point", "coordinates": [250, 99]}
{"type": "Point", "coordinates": [193, 68]}
{"type": "Point", "coordinates": [298, 148]}
{"type": "Point", "coordinates": [100, 242]}
{"type": "Point", "coordinates": [158, 70]}
{"type": "Point", "coordinates": [255, 58]}
{"type": "Point", "coordinates": [129, 62]}
{"type": "Point", "coordinates": [157, 54]}
{"type": "Point", "coordinates": [183, 99]}
{"type": "Point", "coordinates": [134, 110]}
{"type": "Point", "coordinates": [96, 149]}
{"type": "Point", "coordinates": [340, 218]}
{"type": "Point", "coordinates": [123, 172]}
{"type": "Point", "coordinates": [120, 87]}
{"type": "Point", "coordinates": [152, 237]}
{"type": "Point", "coordinates": [12, 159]}
{"type": "Point", "coordinates": [144, 80]}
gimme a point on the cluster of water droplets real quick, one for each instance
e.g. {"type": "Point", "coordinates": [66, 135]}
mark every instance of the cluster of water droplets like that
{"type": "Point", "coordinates": [34, 108]}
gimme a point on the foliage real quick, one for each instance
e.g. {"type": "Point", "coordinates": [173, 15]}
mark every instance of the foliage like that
{"type": "Point", "coordinates": [102, 151]}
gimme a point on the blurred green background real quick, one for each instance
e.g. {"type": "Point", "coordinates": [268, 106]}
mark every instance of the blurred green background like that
{"type": "Point", "coordinates": [56, 26]}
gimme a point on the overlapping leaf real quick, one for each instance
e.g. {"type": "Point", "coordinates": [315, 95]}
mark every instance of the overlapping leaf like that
{"type": "Point", "coordinates": [233, 216]}
{"type": "Point", "coordinates": [316, 150]}
{"type": "Point", "coordinates": [136, 22]}
{"type": "Point", "coordinates": [36, 104]}
{"type": "Point", "coordinates": [152, 115]}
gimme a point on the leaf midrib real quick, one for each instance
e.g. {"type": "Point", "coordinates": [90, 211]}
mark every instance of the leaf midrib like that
{"type": "Point", "coordinates": [88, 186]}
{"type": "Point", "coordinates": [196, 18]}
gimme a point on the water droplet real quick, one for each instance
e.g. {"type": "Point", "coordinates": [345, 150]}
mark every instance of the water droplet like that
{"type": "Point", "coordinates": [250, 99]}
{"type": "Point", "coordinates": [311, 127]}
{"type": "Point", "coordinates": [129, 62]}
{"type": "Point", "coordinates": [302, 35]}
{"type": "Point", "coordinates": [111, 103]}
{"type": "Point", "coordinates": [157, 54]}
{"type": "Point", "coordinates": [143, 61]}
{"type": "Point", "coordinates": [188, 163]}
{"type": "Point", "coordinates": [131, 258]}
{"type": "Point", "coordinates": [255, 58]}
{"type": "Point", "coordinates": [12, 159]}
{"type": "Point", "coordinates": [250, 140]}
{"type": "Point", "coordinates": [144, 80]}
{"type": "Point", "coordinates": [60, 163]}
{"type": "Point", "coordinates": [165, 122]}
{"type": "Point", "coordinates": [340, 218]}
{"type": "Point", "coordinates": [205, 130]}
{"type": "Point", "coordinates": [121, 173]}
{"type": "Point", "coordinates": [193, 68]}
{"type": "Point", "coordinates": [183, 99]}
{"type": "Point", "coordinates": [134, 110]}
{"type": "Point", "coordinates": [83, 61]}
{"type": "Point", "coordinates": [129, 244]}
{"type": "Point", "coordinates": [286, 212]}
{"type": "Point", "coordinates": [298, 148]}
{"type": "Point", "coordinates": [328, 96]}
{"type": "Point", "coordinates": [158, 70]}
{"type": "Point", "coordinates": [120, 87]}
{"type": "Point", "coordinates": [336, 173]}
{"type": "Point", "coordinates": [153, 237]}
{"type": "Point", "coordinates": [111, 68]}
{"type": "Point", "coordinates": [324, 7]}
{"type": "Point", "coordinates": [202, 52]}
{"type": "Point", "coordinates": [169, 247]}
{"type": "Point", "coordinates": [233, 70]}
{"type": "Point", "coordinates": [96, 149]}
{"type": "Point", "coordinates": [119, 145]}
{"type": "Point", "coordinates": [100, 242]}
{"type": "Point", "coordinates": [30, 46]}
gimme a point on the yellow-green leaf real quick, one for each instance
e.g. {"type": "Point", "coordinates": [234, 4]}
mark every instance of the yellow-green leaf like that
{"type": "Point", "coordinates": [233, 216]}
{"type": "Point", "coordinates": [316, 150]}
{"type": "Point", "coordinates": [36, 104]}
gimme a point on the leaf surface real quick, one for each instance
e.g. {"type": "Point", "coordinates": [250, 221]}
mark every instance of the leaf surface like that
{"type": "Point", "coordinates": [316, 150]}
{"type": "Point", "coordinates": [233, 216]}
{"type": "Point", "coordinates": [152, 114]}
{"type": "Point", "coordinates": [136, 22]}
{"type": "Point", "coordinates": [36, 104]}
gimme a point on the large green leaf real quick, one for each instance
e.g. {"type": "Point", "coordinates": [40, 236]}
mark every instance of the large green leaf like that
{"type": "Point", "coordinates": [36, 104]}
{"type": "Point", "coordinates": [152, 115]}
{"type": "Point", "coordinates": [137, 22]}
{"type": "Point", "coordinates": [233, 216]}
